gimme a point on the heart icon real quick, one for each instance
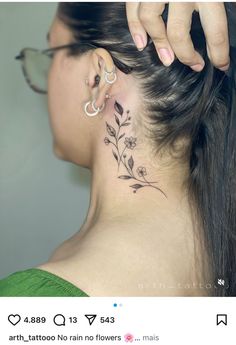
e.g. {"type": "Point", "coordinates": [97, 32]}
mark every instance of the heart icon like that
{"type": "Point", "coordinates": [14, 319]}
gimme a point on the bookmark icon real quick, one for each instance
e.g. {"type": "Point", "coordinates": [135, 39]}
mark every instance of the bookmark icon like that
{"type": "Point", "coordinates": [221, 319]}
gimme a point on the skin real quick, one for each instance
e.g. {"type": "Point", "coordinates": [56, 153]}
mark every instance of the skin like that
{"type": "Point", "coordinates": [146, 18]}
{"type": "Point", "coordinates": [130, 244]}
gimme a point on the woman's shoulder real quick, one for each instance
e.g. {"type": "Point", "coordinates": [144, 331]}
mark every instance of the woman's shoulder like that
{"type": "Point", "coordinates": [37, 282]}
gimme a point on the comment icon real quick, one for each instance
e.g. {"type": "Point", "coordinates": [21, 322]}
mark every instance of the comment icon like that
{"type": "Point", "coordinates": [59, 320]}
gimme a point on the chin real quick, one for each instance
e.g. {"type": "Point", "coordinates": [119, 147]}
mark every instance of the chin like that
{"type": "Point", "coordinates": [58, 152]}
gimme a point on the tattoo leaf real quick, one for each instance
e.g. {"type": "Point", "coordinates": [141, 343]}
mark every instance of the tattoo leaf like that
{"type": "Point", "coordinates": [115, 155]}
{"type": "Point", "coordinates": [125, 124]}
{"type": "Point", "coordinates": [125, 177]}
{"type": "Point", "coordinates": [136, 186]}
{"type": "Point", "coordinates": [111, 131]}
{"type": "Point", "coordinates": [121, 136]}
{"type": "Point", "coordinates": [131, 162]}
{"type": "Point", "coordinates": [117, 120]}
{"type": "Point", "coordinates": [118, 108]}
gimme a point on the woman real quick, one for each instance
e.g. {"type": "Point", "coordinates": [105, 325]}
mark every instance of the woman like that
{"type": "Point", "coordinates": [160, 142]}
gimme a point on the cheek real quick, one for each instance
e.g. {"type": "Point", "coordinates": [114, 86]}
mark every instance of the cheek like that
{"type": "Point", "coordinates": [65, 101]}
{"type": "Point", "coordinates": [58, 90]}
{"type": "Point", "coordinates": [58, 101]}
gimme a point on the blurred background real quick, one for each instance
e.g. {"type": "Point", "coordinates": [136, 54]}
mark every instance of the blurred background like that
{"type": "Point", "coordinates": [43, 201]}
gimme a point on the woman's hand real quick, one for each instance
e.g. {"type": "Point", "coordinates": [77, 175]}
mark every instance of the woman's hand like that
{"type": "Point", "coordinates": [175, 39]}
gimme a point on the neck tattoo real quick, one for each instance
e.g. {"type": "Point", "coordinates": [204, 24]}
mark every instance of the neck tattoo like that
{"type": "Point", "coordinates": [129, 144]}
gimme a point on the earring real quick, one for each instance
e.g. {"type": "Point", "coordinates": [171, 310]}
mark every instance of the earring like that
{"type": "Point", "coordinates": [96, 110]}
{"type": "Point", "coordinates": [112, 73]}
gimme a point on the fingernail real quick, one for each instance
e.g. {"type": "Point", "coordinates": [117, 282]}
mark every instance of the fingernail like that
{"type": "Point", "coordinates": [198, 67]}
{"type": "Point", "coordinates": [139, 42]}
{"type": "Point", "coordinates": [165, 56]}
{"type": "Point", "coordinates": [224, 68]}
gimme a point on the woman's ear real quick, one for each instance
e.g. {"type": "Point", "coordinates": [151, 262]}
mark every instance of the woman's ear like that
{"type": "Point", "coordinates": [101, 63]}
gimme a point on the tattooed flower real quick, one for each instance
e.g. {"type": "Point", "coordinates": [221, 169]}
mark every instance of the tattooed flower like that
{"type": "Point", "coordinates": [130, 142]}
{"type": "Point", "coordinates": [141, 171]}
{"type": "Point", "coordinates": [106, 141]}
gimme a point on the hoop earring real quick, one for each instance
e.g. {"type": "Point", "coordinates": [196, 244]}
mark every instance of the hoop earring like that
{"type": "Point", "coordinates": [107, 74]}
{"type": "Point", "coordinates": [96, 110]}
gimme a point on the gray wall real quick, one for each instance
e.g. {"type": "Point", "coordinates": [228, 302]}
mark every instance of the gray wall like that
{"type": "Point", "coordinates": [43, 200]}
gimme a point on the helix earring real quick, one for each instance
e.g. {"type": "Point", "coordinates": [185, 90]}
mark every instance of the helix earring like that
{"type": "Point", "coordinates": [108, 74]}
{"type": "Point", "coordinates": [96, 110]}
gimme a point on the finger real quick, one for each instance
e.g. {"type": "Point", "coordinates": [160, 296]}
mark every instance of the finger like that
{"type": "Point", "coordinates": [178, 31]}
{"type": "Point", "coordinates": [150, 17]}
{"type": "Point", "coordinates": [136, 29]}
{"type": "Point", "coordinates": [214, 22]}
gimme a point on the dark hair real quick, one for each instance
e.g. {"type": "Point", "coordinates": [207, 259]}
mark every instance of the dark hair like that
{"type": "Point", "coordinates": [180, 103]}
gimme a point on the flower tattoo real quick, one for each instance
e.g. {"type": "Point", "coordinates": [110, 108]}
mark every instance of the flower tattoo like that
{"type": "Point", "coordinates": [129, 143]}
{"type": "Point", "coordinates": [141, 171]}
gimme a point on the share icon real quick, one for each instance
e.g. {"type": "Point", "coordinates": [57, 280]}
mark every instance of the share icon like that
{"type": "Point", "coordinates": [91, 318]}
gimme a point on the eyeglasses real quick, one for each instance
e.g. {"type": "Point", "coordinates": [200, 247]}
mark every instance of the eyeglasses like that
{"type": "Point", "coordinates": [36, 64]}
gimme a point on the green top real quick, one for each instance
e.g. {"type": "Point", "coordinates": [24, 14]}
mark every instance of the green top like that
{"type": "Point", "coordinates": [36, 282]}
